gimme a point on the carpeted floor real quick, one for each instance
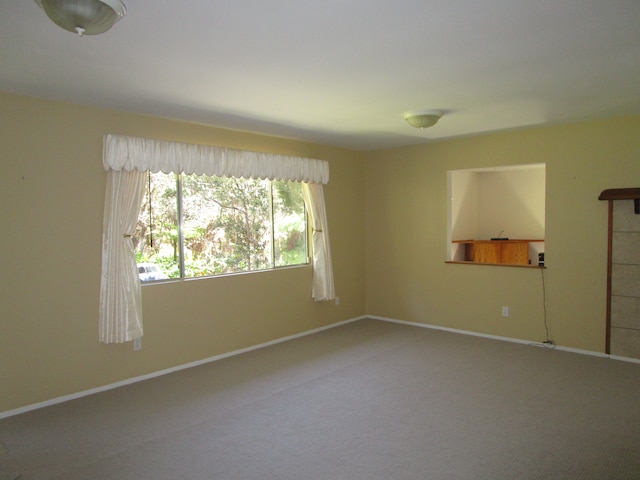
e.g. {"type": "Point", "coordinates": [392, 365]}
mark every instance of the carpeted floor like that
{"type": "Point", "coordinates": [367, 400]}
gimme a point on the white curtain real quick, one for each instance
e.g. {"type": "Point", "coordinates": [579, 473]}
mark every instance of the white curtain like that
{"type": "Point", "coordinates": [126, 158]}
{"type": "Point", "coordinates": [323, 286]}
{"type": "Point", "coordinates": [120, 317]}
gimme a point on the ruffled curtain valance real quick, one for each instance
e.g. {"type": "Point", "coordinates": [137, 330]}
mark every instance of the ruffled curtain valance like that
{"type": "Point", "coordinates": [142, 154]}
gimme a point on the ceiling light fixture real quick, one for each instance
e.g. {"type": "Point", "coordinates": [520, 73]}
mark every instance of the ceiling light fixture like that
{"type": "Point", "coordinates": [423, 118]}
{"type": "Point", "coordinates": [84, 17]}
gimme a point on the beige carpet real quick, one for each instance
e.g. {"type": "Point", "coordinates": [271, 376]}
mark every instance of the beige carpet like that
{"type": "Point", "coordinates": [368, 400]}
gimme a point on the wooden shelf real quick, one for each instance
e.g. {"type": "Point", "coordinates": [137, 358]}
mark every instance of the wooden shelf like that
{"type": "Point", "coordinates": [497, 252]}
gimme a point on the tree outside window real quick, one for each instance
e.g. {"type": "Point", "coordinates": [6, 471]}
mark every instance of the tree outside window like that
{"type": "Point", "coordinates": [197, 226]}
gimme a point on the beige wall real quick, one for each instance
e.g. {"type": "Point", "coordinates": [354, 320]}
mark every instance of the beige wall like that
{"type": "Point", "coordinates": [464, 189]}
{"type": "Point", "coordinates": [407, 278]}
{"type": "Point", "coordinates": [52, 190]}
{"type": "Point", "coordinates": [511, 204]}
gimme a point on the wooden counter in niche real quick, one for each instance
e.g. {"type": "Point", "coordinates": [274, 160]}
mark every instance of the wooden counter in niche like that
{"type": "Point", "coordinates": [508, 252]}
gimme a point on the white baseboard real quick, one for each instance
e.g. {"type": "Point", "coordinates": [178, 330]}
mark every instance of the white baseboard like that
{"type": "Point", "coordinates": [509, 339]}
{"type": "Point", "coordinates": [624, 359]}
{"type": "Point", "coordinates": [141, 378]}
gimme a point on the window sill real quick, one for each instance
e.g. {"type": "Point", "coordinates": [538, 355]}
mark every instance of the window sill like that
{"type": "Point", "coordinates": [223, 275]}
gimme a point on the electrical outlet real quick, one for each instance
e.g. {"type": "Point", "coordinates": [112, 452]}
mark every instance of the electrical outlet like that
{"type": "Point", "coordinates": [337, 300]}
{"type": "Point", "coordinates": [137, 344]}
{"type": "Point", "coordinates": [505, 311]}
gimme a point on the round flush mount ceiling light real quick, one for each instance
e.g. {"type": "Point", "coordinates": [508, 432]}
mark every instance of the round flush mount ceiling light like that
{"type": "Point", "coordinates": [84, 17]}
{"type": "Point", "coordinates": [423, 118]}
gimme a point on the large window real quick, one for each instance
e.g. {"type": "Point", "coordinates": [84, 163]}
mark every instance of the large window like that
{"type": "Point", "coordinates": [198, 225]}
{"type": "Point", "coordinates": [193, 226]}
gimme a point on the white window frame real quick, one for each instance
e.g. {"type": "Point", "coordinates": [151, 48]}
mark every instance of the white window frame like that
{"type": "Point", "coordinates": [181, 233]}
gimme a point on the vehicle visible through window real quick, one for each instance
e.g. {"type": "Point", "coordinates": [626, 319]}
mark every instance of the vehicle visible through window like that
{"type": "Point", "coordinates": [195, 226]}
{"type": "Point", "coordinates": [150, 271]}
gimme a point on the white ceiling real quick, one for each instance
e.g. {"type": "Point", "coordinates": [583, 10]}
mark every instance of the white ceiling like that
{"type": "Point", "coordinates": [339, 72]}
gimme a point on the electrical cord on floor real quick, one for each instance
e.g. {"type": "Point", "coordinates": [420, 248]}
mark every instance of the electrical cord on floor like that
{"type": "Point", "coordinates": [548, 343]}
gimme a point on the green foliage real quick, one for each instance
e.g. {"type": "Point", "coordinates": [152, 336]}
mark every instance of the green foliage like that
{"type": "Point", "coordinates": [290, 195]}
{"type": "Point", "coordinates": [228, 225]}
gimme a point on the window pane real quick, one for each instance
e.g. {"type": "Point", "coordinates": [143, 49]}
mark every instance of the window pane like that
{"type": "Point", "coordinates": [226, 225]}
{"type": "Point", "coordinates": [156, 237]}
{"type": "Point", "coordinates": [289, 223]}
